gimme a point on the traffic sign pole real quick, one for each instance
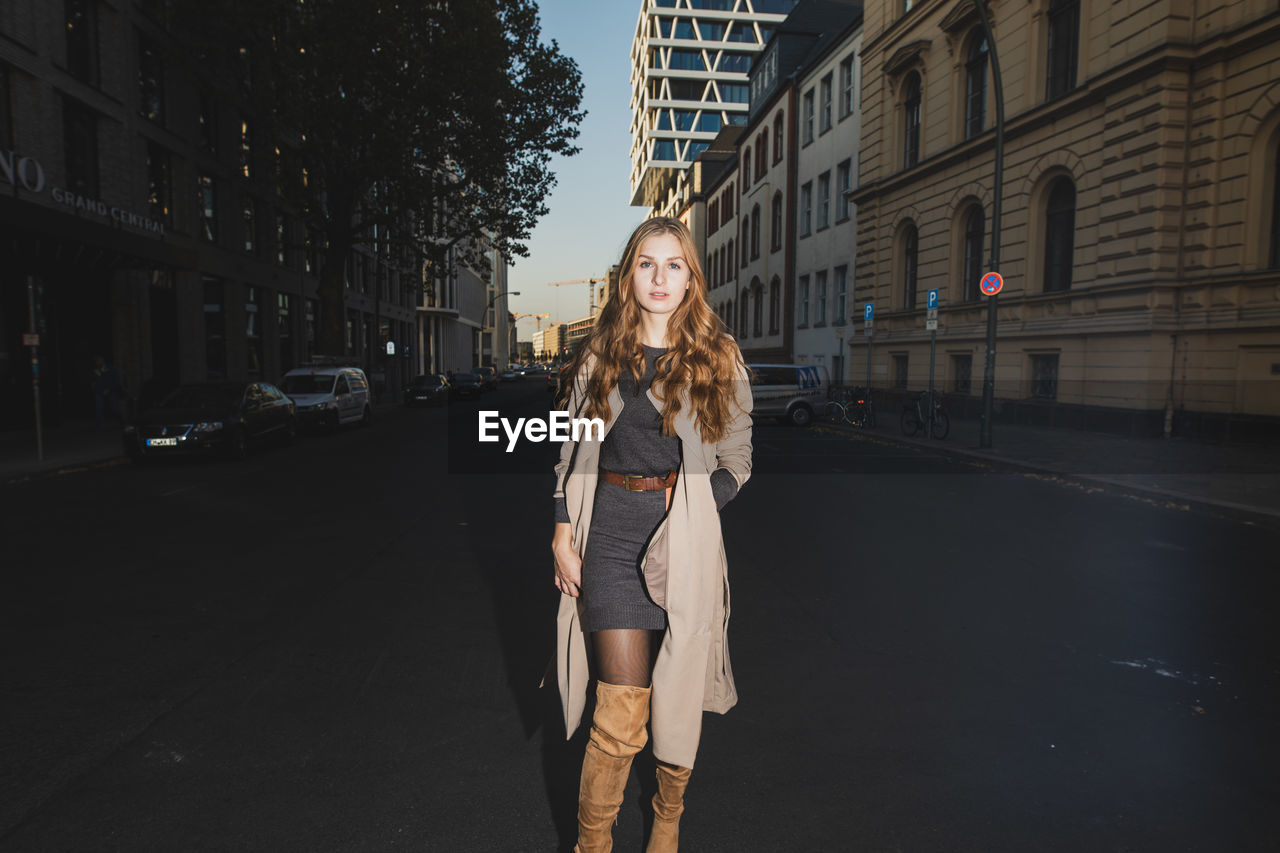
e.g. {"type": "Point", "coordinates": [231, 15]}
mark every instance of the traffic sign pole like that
{"type": "Point", "coordinates": [35, 364]}
{"type": "Point", "coordinates": [932, 323]}
{"type": "Point", "coordinates": [868, 317]}
{"type": "Point", "coordinates": [997, 85]}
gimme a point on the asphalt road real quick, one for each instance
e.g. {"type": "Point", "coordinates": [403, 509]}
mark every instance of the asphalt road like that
{"type": "Point", "coordinates": [337, 646]}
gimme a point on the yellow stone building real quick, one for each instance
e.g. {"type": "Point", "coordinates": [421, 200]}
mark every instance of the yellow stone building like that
{"type": "Point", "coordinates": [1140, 240]}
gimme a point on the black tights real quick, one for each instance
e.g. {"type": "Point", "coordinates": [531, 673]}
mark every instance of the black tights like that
{"type": "Point", "coordinates": [626, 656]}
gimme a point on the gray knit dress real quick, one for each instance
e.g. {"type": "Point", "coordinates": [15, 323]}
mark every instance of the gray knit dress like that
{"type": "Point", "coordinates": [613, 590]}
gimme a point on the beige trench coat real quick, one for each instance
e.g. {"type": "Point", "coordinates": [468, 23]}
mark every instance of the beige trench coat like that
{"type": "Point", "coordinates": [685, 571]}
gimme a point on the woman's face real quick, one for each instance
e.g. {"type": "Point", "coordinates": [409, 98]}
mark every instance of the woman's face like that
{"type": "Point", "coordinates": [662, 276]}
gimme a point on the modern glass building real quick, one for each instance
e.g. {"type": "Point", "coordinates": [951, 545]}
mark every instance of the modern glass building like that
{"type": "Point", "coordinates": [689, 62]}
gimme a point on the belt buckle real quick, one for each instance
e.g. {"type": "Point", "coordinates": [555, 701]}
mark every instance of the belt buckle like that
{"type": "Point", "coordinates": [628, 478]}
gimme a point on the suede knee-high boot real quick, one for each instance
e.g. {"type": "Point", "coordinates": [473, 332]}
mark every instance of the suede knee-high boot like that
{"type": "Point", "coordinates": [617, 734]}
{"type": "Point", "coordinates": [668, 805]}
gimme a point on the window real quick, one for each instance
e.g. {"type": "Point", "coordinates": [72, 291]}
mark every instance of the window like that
{"type": "Point", "coordinates": [207, 199]}
{"type": "Point", "coordinates": [847, 97]}
{"type": "Point", "coordinates": [777, 137]}
{"type": "Point", "coordinates": [961, 371]}
{"type": "Point", "coordinates": [313, 311]}
{"type": "Point", "coordinates": [1064, 36]}
{"type": "Point", "coordinates": [315, 242]}
{"type": "Point", "coordinates": [762, 149]}
{"type": "Point", "coordinates": [1044, 376]}
{"type": "Point", "coordinates": [734, 94]}
{"type": "Point", "coordinates": [282, 243]}
{"type": "Point", "coordinates": [82, 40]}
{"type": "Point", "coordinates": [775, 305]}
{"type": "Point", "coordinates": [755, 232]}
{"type": "Point", "coordinates": [746, 168]}
{"type": "Point", "coordinates": [249, 223]}
{"type": "Point", "coordinates": [844, 183]}
{"type": "Point", "coordinates": [746, 241]}
{"type": "Point", "coordinates": [775, 223]}
{"type": "Point", "coordinates": [253, 329]}
{"type": "Point", "coordinates": [742, 316]}
{"type": "Point", "coordinates": [974, 226]}
{"type": "Point", "coordinates": [80, 147]}
{"type": "Point", "coordinates": [975, 92]}
{"type": "Point", "coordinates": [687, 60]}
{"type": "Point", "coordinates": [1059, 237]}
{"type": "Point", "coordinates": [757, 309]}
{"type": "Point", "coordinates": [215, 329]}
{"type": "Point", "coordinates": [824, 115]}
{"type": "Point", "coordinates": [713, 217]}
{"type": "Point", "coordinates": [824, 200]}
{"type": "Point", "coordinates": [910, 249]}
{"type": "Point", "coordinates": [806, 209]}
{"type": "Point", "coordinates": [911, 122]}
{"type": "Point", "coordinates": [900, 370]}
{"type": "Point", "coordinates": [159, 185]}
{"type": "Point", "coordinates": [246, 149]}
{"type": "Point", "coordinates": [802, 302]}
{"type": "Point", "coordinates": [906, 6]}
{"type": "Point", "coordinates": [732, 257]}
{"type": "Point", "coordinates": [284, 329]}
{"type": "Point", "coordinates": [841, 288]}
{"type": "Point", "coordinates": [808, 118]}
{"type": "Point", "coordinates": [208, 122]}
{"type": "Point", "coordinates": [820, 298]}
{"type": "Point", "coordinates": [150, 82]}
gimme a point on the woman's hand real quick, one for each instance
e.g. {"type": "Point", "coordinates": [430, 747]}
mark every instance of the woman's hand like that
{"type": "Point", "coordinates": [568, 563]}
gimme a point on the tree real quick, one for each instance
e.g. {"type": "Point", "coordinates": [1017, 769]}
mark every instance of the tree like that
{"type": "Point", "coordinates": [428, 123]}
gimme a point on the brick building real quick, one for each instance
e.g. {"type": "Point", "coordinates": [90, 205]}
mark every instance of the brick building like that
{"type": "Point", "coordinates": [1141, 207]}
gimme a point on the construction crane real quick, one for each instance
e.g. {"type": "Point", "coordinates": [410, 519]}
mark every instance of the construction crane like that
{"type": "Point", "coordinates": [537, 318]}
{"type": "Point", "coordinates": [591, 285]}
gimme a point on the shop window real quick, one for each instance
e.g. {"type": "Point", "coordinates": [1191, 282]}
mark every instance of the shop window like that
{"type": "Point", "coordinates": [911, 121]}
{"type": "Point", "coordinates": [159, 183]}
{"type": "Point", "coordinates": [1064, 45]}
{"type": "Point", "coordinates": [150, 82]}
{"type": "Point", "coordinates": [806, 208]}
{"type": "Point", "coordinates": [775, 305]}
{"type": "Point", "coordinates": [824, 104]}
{"type": "Point", "coordinates": [807, 116]}
{"type": "Point", "coordinates": [81, 22]}
{"type": "Point", "coordinates": [824, 200]}
{"type": "Point", "coordinates": [961, 374]}
{"type": "Point", "coordinates": [820, 298]}
{"type": "Point", "coordinates": [910, 253]}
{"type": "Point", "coordinates": [974, 227]}
{"type": "Point", "coordinates": [207, 198]}
{"type": "Point", "coordinates": [80, 148]}
{"type": "Point", "coordinates": [1044, 376]}
{"type": "Point", "coordinates": [215, 329]}
{"type": "Point", "coordinates": [802, 302]}
{"type": "Point", "coordinates": [975, 90]}
{"type": "Point", "coordinates": [844, 183]}
{"type": "Point", "coordinates": [775, 223]}
{"type": "Point", "coordinates": [1059, 240]}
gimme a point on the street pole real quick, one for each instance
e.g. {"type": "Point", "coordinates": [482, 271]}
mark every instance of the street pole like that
{"type": "Point", "coordinates": [933, 348]}
{"type": "Point", "coordinates": [989, 369]}
{"type": "Point", "coordinates": [35, 364]}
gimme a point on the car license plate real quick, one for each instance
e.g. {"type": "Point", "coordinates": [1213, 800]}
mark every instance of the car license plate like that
{"type": "Point", "coordinates": [162, 442]}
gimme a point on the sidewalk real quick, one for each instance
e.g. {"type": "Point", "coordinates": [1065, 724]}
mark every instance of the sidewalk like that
{"type": "Point", "coordinates": [1238, 481]}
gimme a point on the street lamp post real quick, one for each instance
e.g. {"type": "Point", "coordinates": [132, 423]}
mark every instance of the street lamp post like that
{"type": "Point", "coordinates": [492, 328]}
{"type": "Point", "coordinates": [989, 368]}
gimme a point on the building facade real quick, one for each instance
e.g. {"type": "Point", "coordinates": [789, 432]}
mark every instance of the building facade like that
{"type": "Point", "coordinates": [689, 62]}
{"type": "Point", "coordinates": [141, 204]}
{"type": "Point", "coordinates": [1139, 240]}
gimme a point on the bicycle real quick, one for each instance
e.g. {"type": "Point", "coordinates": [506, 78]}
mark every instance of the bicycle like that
{"type": "Point", "coordinates": [851, 406]}
{"type": "Point", "coordinates": [914, 418]}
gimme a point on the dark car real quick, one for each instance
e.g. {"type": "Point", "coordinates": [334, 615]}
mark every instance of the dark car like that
{"type": "Point", "coordinates": [488, 378]}
{"type": "Point", "coordinates": [226, 417]}
{"type": "Point", "coordinates": [465, 386]}
{"type": "Point", "coordinates": [431, 389]}
{"type": "Point", "coordinates": [553, 380]}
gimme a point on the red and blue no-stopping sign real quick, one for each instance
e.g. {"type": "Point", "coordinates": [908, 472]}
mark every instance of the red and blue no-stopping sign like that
{"type": "Point", "coordinates": [991, 283]}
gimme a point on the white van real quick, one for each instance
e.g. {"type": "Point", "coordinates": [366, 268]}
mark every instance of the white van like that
{"type": "Point", "coordinates": [790, 392]}
{"type": "Point", "coordinates": [329, 396]}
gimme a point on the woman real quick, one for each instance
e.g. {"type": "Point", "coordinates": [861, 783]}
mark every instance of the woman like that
{"type": "Point", "coordinates": [638, 555]}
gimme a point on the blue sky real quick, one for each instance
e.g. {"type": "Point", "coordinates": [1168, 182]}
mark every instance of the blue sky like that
{"type": "Point", "coordinates": [590, 218]}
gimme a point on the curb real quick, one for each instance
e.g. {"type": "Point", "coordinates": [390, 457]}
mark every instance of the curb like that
{"type": "Point", "coordinates": [1167, 499]}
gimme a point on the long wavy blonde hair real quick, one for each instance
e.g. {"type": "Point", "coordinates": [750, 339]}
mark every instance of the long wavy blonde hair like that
{"type": "Point", "coordinates": [702, 362]}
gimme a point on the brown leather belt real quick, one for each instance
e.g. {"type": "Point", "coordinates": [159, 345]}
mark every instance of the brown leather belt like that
{"type": "Point", "coordinates": [636, 483]}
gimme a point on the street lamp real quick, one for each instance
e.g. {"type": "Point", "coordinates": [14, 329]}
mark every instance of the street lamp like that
{"type": "Point", "coordinates": [496, 296]}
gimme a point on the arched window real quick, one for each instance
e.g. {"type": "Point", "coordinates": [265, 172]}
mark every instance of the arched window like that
{"type": "Point", "coordinates": [762, 145]}
{"type": "Point", "coordinates": [910, 252]}
{"type": "Point", "coordinates": [746, 168]}
{"type": "Point", "coordinates": [1064, 44]}
{"type": "Point", "coordinates": [975, 90]}
{"type": "Point", "coordinates": [724, 270]}
{"type": "Point", "coordinates": [746, 240]}
{"type": "Point", "coordinates": [911, 121]}
{"type": "Point", "coordinates": [775, 305]}
{"type": "Point", "coordinates": [757, 297]}
{"type": "Point", "coordinates": [711, 270]}
{"type": "Point", "coordinates": [1059, 234]}
{"type": "Point", "coordinates": [777, 137]}
{"type": "Point", "coordinates": [974, 228]}
{"type": "Point", "coordinates": [742, 319]}
{"type": "Point", "coordinates": [775, 223]}
{"type": "Point", "coordinates": [755, 232]}
{"type": "Point", "coordinates": [732, 258]}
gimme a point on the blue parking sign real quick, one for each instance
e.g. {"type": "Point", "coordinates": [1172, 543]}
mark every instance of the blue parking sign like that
{"type": "Point", "coordinates": [933, 299]}
{"type": "Point", "coordinates": [868, 311]}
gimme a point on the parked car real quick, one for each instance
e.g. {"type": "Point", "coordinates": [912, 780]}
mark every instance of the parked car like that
{"type": "Point", "coordinates": [553, 380]}
{"type": "Point", "coordinates": [790, 392]}
{"type": "Point", "coordinates": [508, 375]}
{"type": "Point", "coordinates": [328, 397]}
{"type": "Point", "coordinates": [431, 389]}
{"type": "Point", "coordinates": [227, 417]}
{"type": "Point", "coordinates": [488, 378]}
{"type": "Point", "coordinates": [465, 386]}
